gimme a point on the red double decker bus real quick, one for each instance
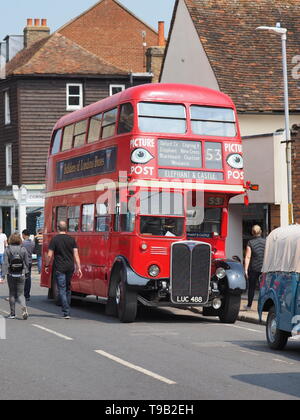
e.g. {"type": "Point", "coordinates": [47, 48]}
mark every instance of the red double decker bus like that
{"type": "Point", "coordinates": [143, 180]}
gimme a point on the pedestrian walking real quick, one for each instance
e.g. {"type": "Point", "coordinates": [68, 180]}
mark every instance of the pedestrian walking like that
{"type": "Point", "coordinates": [38, 244]}
{"type": "Point", "coordinates": [254, 259]}
{"type": "Point", "coordinates": [15, 267]}
{"type": "Point", "coordinates": [64, 252]}
{"type": "Point", "coordinates": [28, 244]}
{"type": "Point", "coordinates": [3, 245]}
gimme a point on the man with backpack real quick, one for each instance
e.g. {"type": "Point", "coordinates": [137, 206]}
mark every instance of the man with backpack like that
{"type": "Point", "coordinates": [16, 267]}
{"type": "Point", "coordinates": [29, 245]}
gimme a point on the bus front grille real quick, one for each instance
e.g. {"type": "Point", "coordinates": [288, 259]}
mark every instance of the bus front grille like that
{"type": "Point", "coordinates": [190, 272]}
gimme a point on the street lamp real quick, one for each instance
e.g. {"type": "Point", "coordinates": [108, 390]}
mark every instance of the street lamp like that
{"type": "Point", "coordinates": [283, 33]}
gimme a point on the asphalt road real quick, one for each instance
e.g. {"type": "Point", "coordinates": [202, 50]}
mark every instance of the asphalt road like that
{"type": "Point", "coordinates": [165, 355]}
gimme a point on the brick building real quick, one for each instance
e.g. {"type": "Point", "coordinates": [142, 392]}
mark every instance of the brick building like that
{"type": "Point", "coordinates": [97, 54]}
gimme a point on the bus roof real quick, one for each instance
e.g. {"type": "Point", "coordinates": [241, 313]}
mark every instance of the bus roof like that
{"type": "Point", "coordinates": [161, 92]}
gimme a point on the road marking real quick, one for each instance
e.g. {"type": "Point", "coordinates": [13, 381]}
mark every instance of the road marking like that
{"type": "Point", "coordinates": [250, 352]}
{"type": "Point", "coordinates": [53, 332]}
{"type": "Point", "coordinates": [243, 328]}
{"type": "Point", "coordinates": [5, 312]}
{"type": "Point", "coordinates": [283, 361]}
{"type": "Point", "coordinates": [156, 334]}
{"type": "Point", "coordinates": [135, 367]}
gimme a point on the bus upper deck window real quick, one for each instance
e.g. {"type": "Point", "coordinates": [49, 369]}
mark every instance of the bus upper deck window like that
{"type": "Point", "coordinates": [95, 128]}
{"type": "Point", "coordinates": [80, 133]}
{"type": "Point", "coordinates": [56, 142]}
{"type": "Point", "coordinates": [162, 118]}
{"type": "Point", "coordinates": [126, 119]}
{"type": "Point", "coordinates": [67, 137]}
{"type": "Point", "coordinates": [213, 121]}
{"type": "Point", "coordinates": [109, 123]}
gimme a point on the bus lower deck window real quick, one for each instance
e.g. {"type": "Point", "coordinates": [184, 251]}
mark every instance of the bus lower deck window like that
{"type": "Point", "coordinates": [161, 226]}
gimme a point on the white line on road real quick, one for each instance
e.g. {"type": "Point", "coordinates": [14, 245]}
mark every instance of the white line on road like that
{"type": "Point", "coordinates": [4, 312]}
{"type": "Point", "coordinates": [283, 361]}
{"type": "Point", "coordinates": [53, 332]}
{"type": "Point", "coordinates": [243, 328]}
{"type": "Point", "coordinates": [135, 367]}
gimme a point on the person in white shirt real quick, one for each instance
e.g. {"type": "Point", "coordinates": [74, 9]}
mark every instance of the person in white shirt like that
{"type": "Point", "coordinates": [3, 245]}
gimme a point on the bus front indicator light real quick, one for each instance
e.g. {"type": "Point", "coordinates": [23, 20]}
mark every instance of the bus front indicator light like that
{"type": "Point", "coordinates": [144, 246]}
{"type": "Point", "coordinates": [153, 270]}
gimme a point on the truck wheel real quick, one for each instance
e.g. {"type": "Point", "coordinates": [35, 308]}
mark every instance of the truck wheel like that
{"type": "Point", "coordinates": [126, 301]}
{"type": "Point", "coordinates": [230, 308]}
{"type": "Point", "coordinates": [276, 338]}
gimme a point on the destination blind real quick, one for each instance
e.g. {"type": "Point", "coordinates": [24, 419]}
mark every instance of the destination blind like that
{"type": "Point", "coordinates": [96, 163]}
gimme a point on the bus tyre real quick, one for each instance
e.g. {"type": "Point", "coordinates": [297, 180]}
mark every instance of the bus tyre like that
{"type": "Point", "coordinates": [126, 301]}
{"type": "Point", "coordinates": [276, 338]}
{"type": "Point", "coordinates": [229, 311]}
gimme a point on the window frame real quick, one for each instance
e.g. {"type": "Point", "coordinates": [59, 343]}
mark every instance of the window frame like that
{"type": "Point", "coordinates": [8, 164]}
{"type": "Point", "coordinates": [70, 107]}
{"type": "Point", "coordinates": [78, 218]}
{"type": "Point", "coordinates": [121, 107]}
{"type": "Point", "coordinates": [83, 224]}
{"type": "Point", "coordinates": [7, 112]}
{"type": "Point", "coordinates": [63, 137]}
{"type": "Point", "coordinates": [110, 124]}
{"type": "Point", "coordinates": [94, 118]}
{"type": "Point", "coordinates": [83, 133]}
{"type": "Point", "coordinates": [211, 121]}
{"type": "Point", "coordinates": [112, 86]}
{"type": "Point", "coordinates": [57, 132]}
{"type": "Point", "coordinates": [142, 115]}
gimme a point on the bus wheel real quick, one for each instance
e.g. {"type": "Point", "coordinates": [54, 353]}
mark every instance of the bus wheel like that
{"type": "Point", "coordinates": [276, 338]}
{"type": "Point", "coordinates": [230, 308]}
{"type": "Point", "coordinates": [126, 301]}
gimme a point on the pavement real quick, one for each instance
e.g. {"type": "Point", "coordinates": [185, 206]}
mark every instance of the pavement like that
{"type": "Point", "coordinates": [252, 315]}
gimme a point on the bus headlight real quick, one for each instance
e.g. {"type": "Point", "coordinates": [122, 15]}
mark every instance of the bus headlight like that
{"type": "Point", "coordinates": [153, 270]}
{"type": "Point", "coordinates": [220, 273]}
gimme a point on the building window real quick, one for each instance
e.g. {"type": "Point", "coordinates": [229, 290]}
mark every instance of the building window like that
{"type": "Point", "coordinates": [7, 119]}
{"type": "Point", "coordinates": [8, 164]}
{"type": "Point", "coordinates": [74, 96]}
{"type": "Point", "coordinates": [113, 89]}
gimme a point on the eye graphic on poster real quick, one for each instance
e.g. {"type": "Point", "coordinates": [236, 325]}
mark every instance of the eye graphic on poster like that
{"type": "Point", "coordinates": [235, 160]}
{"type": "Point", "coordinates": [141, 156]}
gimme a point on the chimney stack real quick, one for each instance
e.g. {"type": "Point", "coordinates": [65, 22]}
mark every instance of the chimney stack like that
{"type": "Point", "coordinates": [155, 54]}
{"type": "Point", "coordinates": [35, 30]}
{"type": "Point", "coordinates": [161, 34]}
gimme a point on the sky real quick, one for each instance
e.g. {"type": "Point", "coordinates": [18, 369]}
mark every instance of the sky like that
{"type": "Point", "coordinates": [14, 13]}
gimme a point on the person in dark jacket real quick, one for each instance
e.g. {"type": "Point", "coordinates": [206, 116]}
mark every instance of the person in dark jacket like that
{"type": "Point", "coordinates": [28, 244]}
{"type": "Point", "coordinates": [254, 259]}
{"type": "Point", "coordinates": [16, 282]}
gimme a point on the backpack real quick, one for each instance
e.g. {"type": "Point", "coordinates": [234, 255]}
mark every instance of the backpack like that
{"type": "Point", "coordinates": [16, 263]}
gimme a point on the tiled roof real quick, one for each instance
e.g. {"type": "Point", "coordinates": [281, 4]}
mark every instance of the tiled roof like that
{"type": "Point", "coordinates": [57, 54]}
{"type": "Point", "coordinates": [113, 33]}
{"type": "Point", "coordinates": [248, 63]}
